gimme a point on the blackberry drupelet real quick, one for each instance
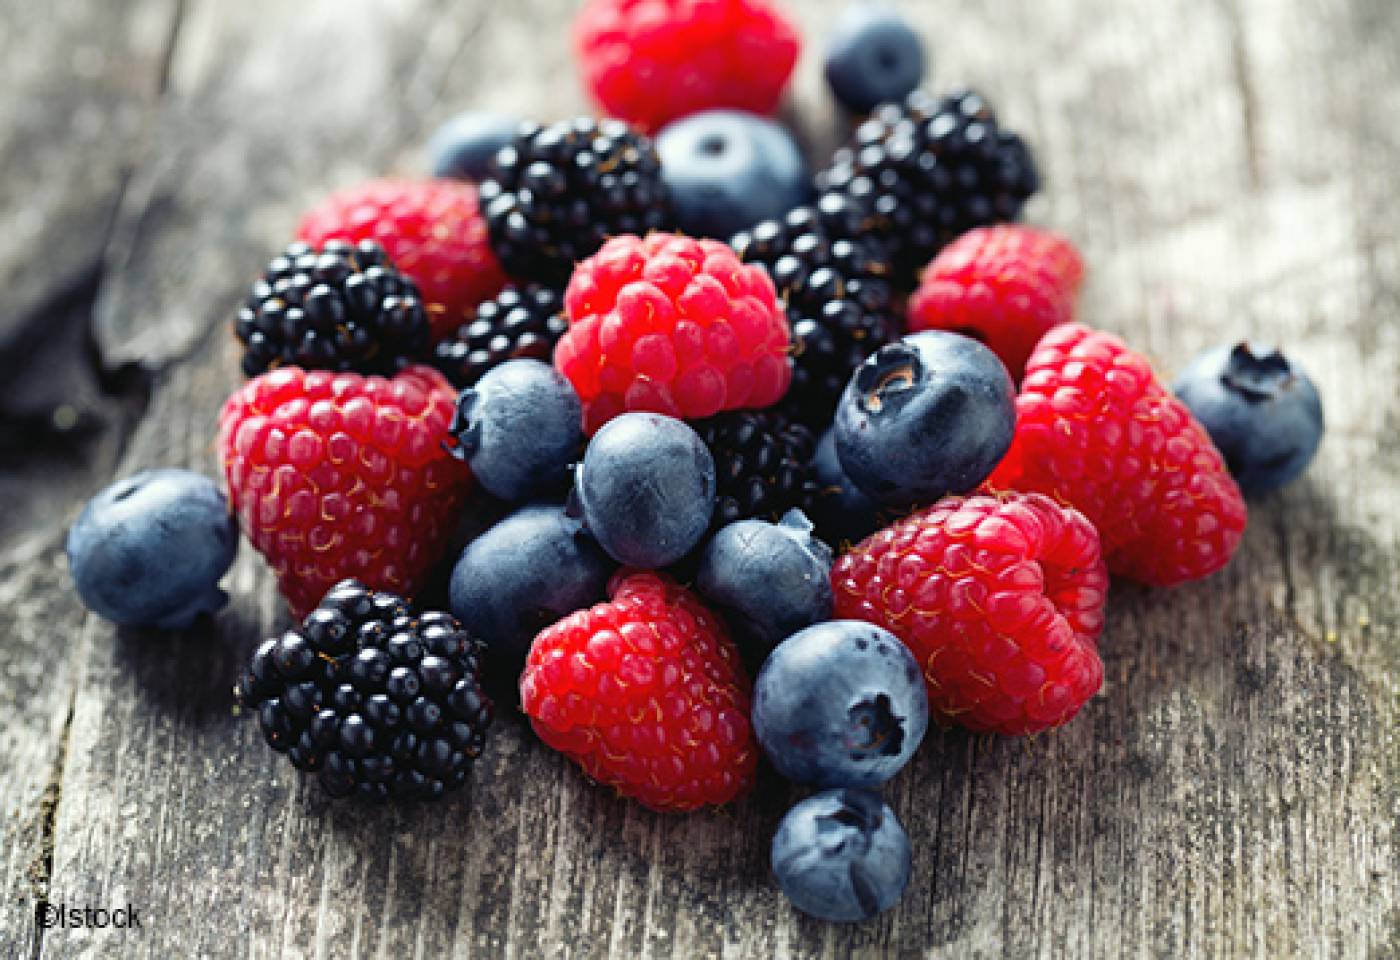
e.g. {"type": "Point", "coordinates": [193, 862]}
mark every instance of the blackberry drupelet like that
{"type": "Point", "coordinates": [378, 701]}
{"type": "Point", "coordinates": [921, 172]}
{"type": "Point", "coordinates": [762, 464]}
{"type": "Point", "coordinates": [557, 192]}
{"type": "Point", "coordinates": [517, 324]}
{"type": "Point", "coordinates": [835, 285]}
{"type": "Point", "coordinates": [344, 307]}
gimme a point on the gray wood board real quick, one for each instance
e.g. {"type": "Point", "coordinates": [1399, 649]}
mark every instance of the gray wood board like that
{"type": "Point", "coordinates": [1233, 791]}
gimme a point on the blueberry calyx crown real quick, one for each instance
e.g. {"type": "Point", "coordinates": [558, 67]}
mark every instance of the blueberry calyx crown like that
{"type": "Point", "coordinates": [573, 505]}
{"type": "Point", "coordinates": [798, 526]}
{"type": "Point", "coordinates": [888, 376]}
{"type": "Point", "coordinates": [858, 809]}
{"type": "Point", "coordinates": [1257, 374]}
{"type": "Point", "coordinates": [875, 729]}
{"type": "Point", "coordinates": [464, 432]}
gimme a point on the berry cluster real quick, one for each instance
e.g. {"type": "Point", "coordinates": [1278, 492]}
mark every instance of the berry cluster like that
{"type": "Point", "coordinates": [722, 456]}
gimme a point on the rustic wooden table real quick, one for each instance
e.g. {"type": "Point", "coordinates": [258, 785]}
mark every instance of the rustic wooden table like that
{"type": "Point", "coordinates": [1227, 166]}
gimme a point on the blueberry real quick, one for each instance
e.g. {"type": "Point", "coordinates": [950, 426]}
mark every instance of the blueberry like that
{"type": "Point", "coordinates": [150, 550]}
{"type": "Point", "coordinates": [728, 170]}
{"type": "Point", "coordinates": [874, 57]}
{"type": "Point", "coordinates": [646, 489]}
{"type": "Point", "coordinates": [520, 427]}
{"type": "Point", "coordinates": [840, 704]}
{"type": "Point", "coordinates": [924, 417]}
{"type": "Point", "coordinates": [840, 511]}
{"type": "Point", "coordinates": [772, 579]}
{"type": "Point", "coordinates": [842, 855]}
{"type": "Point", "coordinates": [1263, 414]}
{"type": "Point", "coordinates": [523, 574]}
{"type": "Point", "coordinates": [463, 147]}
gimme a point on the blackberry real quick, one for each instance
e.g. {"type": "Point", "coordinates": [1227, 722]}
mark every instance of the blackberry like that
{"type": "Point", "coordinates": [921, 172]}
{"type": "Point", "coordinates": [557, 192]}
{"type": "Point", "coordinates": [343, 307]}
{"type": "Point", "coordinates": [835, 285]}
{"type": "Point", "coordinates": [762, 464]}
{"type": "Point", "coordinates": [516, 324]}
{"type": "Point", "coordinates": [377, 701]}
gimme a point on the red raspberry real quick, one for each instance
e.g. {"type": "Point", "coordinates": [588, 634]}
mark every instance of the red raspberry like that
{"type": "Point", "coordinates": [337, 475]}
{"type": "Point", "coordinates": [653, 61]}
{"type": "Point", "coordinates": [1000, 598]}
{"type": "Point", "coordinates": [646, 693]}
{"type": "Point", "coordinates": [1095, 429]}
{"type": "Point", "coordinates": [433, 231]}
{"type": "Point", "coordinates": [1005, 285]}
{"type": "Point", "coordinates": [674, 326]}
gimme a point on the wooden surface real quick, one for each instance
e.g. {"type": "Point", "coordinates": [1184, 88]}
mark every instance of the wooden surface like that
{"type": "Point", "coordinates": [1228, 167]}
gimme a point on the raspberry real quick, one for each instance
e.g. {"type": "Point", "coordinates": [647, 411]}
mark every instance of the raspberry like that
{"type": "Point", "coordinates": [337, 475]}
{"type": "Point", "coordinates": [1000, 598]}
{"type": "Point", "coordinates": [1096, 430]}
{"type": "Point", "coordinates": [1004, 285]}
{"type": "Point", "coordinates": [653, 61]}
{"type": "Point", "coordinates": [674, 326]}
{"type": "Point", "coordinates": [433, 231]}
{"type": "Point", "coordinates": [646, 693]}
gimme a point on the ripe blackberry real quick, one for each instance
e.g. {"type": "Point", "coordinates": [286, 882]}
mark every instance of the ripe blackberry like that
{"type": "Point", "coordinates": [380, 702]}
{"type": "Point", "coordinates": [835, 285]}
{"type": "Point", "coordinates": [342, 307]}
{"type": "Point", "coordinates": [921, 172]}
{"type": "Point", "coordinates": [516, 324]}
{"type": "Point", "coordinates": [762, 464]}
{"type": "Point", "coordinates": [557, 192]}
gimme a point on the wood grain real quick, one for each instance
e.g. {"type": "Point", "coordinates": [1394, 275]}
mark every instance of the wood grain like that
{"type": "Point", "coordinates": [1233, 791]}
{"type": "Point", "coordinates": [79, 78]}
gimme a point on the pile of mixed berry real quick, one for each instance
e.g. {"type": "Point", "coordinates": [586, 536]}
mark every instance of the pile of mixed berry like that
{"type": "Point", "coordinates": [793, 461]}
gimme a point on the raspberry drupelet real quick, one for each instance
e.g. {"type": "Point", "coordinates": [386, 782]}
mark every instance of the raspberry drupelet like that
{"type": "Point", "coordinates": [675, 326]}
{"type": "Point", "coordinates": [337, 475]}
{"type": "Point", "coordinates": [1095, 429]}
{"type": "Point", "coordinates": [1001, 600]}
{"type": "Point", "coordinates": [646, 693]}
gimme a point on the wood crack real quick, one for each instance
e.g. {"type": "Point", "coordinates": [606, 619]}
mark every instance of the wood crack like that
{"type": "Point", "coordinates": [41, 867]}
{"type": "Point", "coordinates": [1244, 85]}
{"type": "Point", "coordinates": [172, 38]}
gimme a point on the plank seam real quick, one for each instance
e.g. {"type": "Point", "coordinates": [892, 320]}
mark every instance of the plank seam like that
{"type": "Point", "coordinates": [41, 867]}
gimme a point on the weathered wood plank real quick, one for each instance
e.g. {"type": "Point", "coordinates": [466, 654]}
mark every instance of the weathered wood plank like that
{"type": "Point", "coordinates": [1232, 792]}
{"type": "Point", "coordinates": [79, 79]}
